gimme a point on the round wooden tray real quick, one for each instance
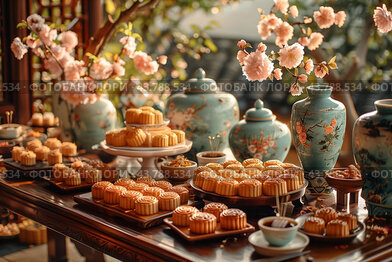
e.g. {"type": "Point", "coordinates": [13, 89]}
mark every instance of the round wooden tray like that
{"type": "Point", "coordinates": [238, 201]}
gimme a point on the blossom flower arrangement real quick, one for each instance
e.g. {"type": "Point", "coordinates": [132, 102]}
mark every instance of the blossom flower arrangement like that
{"type": "Point", "coordinates": [383, 19]}
{"type": "Point", "coordinates": [57, 50]}
{"type": "Point", "coordinates": [258, 65]}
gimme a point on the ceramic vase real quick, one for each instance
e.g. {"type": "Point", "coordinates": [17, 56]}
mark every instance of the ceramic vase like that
{"type": "Point", "coordinates": [372, 147]}
{"type": "Point", "coordinates": [260, 135]}
{"type": "Point", "coordinates": [202, 111]}
{"type": "Point", "coordinates": [92, 121]}
{"type": "Point", "coordinates": [317, 124]}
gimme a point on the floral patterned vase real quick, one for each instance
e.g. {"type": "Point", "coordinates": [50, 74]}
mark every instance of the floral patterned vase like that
{"type": "Point", "coordinates": [317, 124]}
{"type": "Point", "coordinates": [372, 146]}
{"type": "Point", "coordinates": [260, 136]}
{"type": "Point", "coordinates": [202, 111]}
{"type": "Point", "coordinates": [91, 121]}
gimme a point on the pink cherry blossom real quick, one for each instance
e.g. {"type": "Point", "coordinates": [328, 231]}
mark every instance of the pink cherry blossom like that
{"type": "Point", "coordinates": [38, 52]}
{"type": "Point", "coordinates": [18, 48]}
{"type": "Point", "coordinates": [340, 17]}
{"type": "Point", "coordinates": [325, 17]}
{"type": "Point", "coordinates": [162, 60]}
{"type": "Point", "coordinates": [264, 29]}
{"type": "Point", "coordinates": [47, 35]}
{"type": "Point", "coordinates": [383, 19]}
{"type": "Point", "coordinates": [118, 68]}
{"type": "Point", "coordinates": [309, 66]}
{"type": "Point", "coordinates": [35, 22]}
{"type": "Point", "coordinates": [282, 5]}
{"type": "Point", "coordinates": [101, 69]}
{"type": "Point", "coordinates": [52, 66]}
{"type": "Point", "coordinates": [304, 41]}
{"type": "Point", "coordinates": [31, 42]}
{"type": "Point", "coordinates": [241, 44]}
{"type": "Point", "coordinates": [144, 63]}
{"type": "Point", "coordinates": [293, 11]}
{"type": "Point", "coordinates": [68, 40]}
{"type": "Point", "coordinates": [320, 71]}
{"type": "Point", "coordinates": [315, 40]}
{"type": "Point", "coordinates": [67, 58]}
{"type": "Point", "coordinates": [241, 56]}
{"type": "Point", "coordinates": [58, 52]}
{"type": "Point", "coordinates": [129, 45]}
{"type": "Point", "coordinates": [303, 78]}
{"type": "Point", "coordinates": [277, 74]}
{"type": "Point", "coordinates": [257, 66]}
{"type": "Point", "coordinates": [261, 47]}
{"type": "Point", "coordinates": [74, 70]}
{"type": "Point", "coordinates": [295, 90]}
{"type": "Point", "coordinates": [74, 92]}
{"type": "Point", "coordinates": [284, 32]}
{"type": "Point", "coordinates": [291, 56]}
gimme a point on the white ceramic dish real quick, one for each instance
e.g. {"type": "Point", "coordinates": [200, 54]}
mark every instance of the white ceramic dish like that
{"type": "Point", "coordinates": [165, 122]}
{"type": "Point", "coordinates": [202, 160]}
{"type": "Point", "coordinates": [262, 247]}
{"type": "Point", "coordinates": [10, 131]}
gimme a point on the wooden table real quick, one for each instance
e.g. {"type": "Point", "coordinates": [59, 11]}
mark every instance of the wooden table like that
{"type": "Point", "coordinates": [35, 199]}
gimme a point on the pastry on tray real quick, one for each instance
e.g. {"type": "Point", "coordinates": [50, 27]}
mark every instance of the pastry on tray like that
{"type": "Point", "coordinates": [168, 201]}
{"type": "Point", "coordinates": [53, 143]}
{"type": "Point", "coordinates": [337, 228]}
{"type": "Point", "coordinates": [233, 219]}
{"type": "Point", "coordinates": [250, 188]}
{"type": "Point", "coordinates": [98, 189]}
{"type": "Point", "coordinates": [215, 208]}
{"type": "Point", "coordinates": [69, 149]}
{"type": "Point", "coordinates": [146, 205]}
{"type": "Point", "coordinates": [202, 223]}
{"type": "Point", "coordinates": [111, 194]}
{"type": "Point", "coordinates": [55, 157]}
{"type": "Point", "coordinates": [314, 225]}
{"type": "Point", "coordinates": [42, 153]}
{"type": "Point", "coordinates": [28, 158]}
{"type": "Point", "coordinates": [182, 214]}
{"type": "Point", "coordinates": [16, 152]}
{"type": "Point", "coordinates": [326, 213]}
{"type": "Point", "coordinates": [183, 192]}
{"type": "Point", "coordinates": [128, 198]}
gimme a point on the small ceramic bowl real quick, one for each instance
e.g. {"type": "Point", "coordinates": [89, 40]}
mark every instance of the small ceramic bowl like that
{"type": "Point", "coordinates": [206, 157]}
{"type": "Point", "coordinates": [10, 131]}
{"type": "Point", "coordinates": [178, 174]}
{"type": "Point", "coordinates": [278, 236]}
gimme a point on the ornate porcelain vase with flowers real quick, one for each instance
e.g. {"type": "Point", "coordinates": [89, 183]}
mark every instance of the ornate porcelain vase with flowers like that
{"type": "Point", "coordinates": [317, 124]}
{"type": "Point", "coordinates": [372, 147]}
{"type": "Point", "coordinates": [260, 135]}
{"type": "Point", "coordinates": [202, 111]}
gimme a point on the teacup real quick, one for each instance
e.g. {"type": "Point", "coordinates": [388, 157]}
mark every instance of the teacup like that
{"type": "Point", "coordinates": [277, 236]}
{"type": "Point", "coordinates": [206, 157]}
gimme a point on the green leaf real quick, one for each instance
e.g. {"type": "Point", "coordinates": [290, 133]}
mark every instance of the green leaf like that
{"type": "Point", "coordinates": [21, 25]}
{"type": "Point", "coordinates": [210, 45]}
{"type": "Point", "coordinates": [91, 56]}
{"type": "Point", "coordinates": [195, 28]}
{"type": "Point", "coordinates": [137, 36]}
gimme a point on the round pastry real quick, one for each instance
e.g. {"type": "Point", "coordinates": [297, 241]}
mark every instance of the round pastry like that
{"type": "Point", "coordinates": [314, 225]}
{"type": "Point", "coordinates": [297, 172]}
{"type": "Point", "coordinates": [53, 143]}
{"type": "Point", "coordinates": [261, 177]}
{"type": "Point", "coordinates": [272, 163]}
{"type": "Point", "coordinates": [350, 219]}
{"type": "Point", "coordinates": [119, 138]}
{"type": "Point", "coordinates": [111, 194]}
{"type": "Point", "coordinates": [215, 208]}
{"type": "Point", "coordinates": [132, 115]}
{"type": "Point", "coordinates": [230, 162]}
{"type": "Point", "coordinates": [240, 177]}
{"type": "Point", "coordinates": [109, 135]}
{"type": "Point", "coordinates": [55, 157]}
{"type": "Point", "coordinates": [291, 181]}
{"type": "Point", "coordinates": [215, 166]}
{"type": "Point", "coordinates": [146, 205]}
{"type": "Point", "coordinates": [145, 180]}
{"type": "Point", "coordinates": [210, 182]}
{"type": "Point", "coordinates": [198, 179]}
{"type": "Point", "coordinates": [172, 139]}
{"type": "Point", "coordinates": [137, 187]}
{"type": "Point", "coordinates": [136, 137]}
{"type": "Point", "coordinates": [274, 168]}
{"type": "Point", "coordinates": [33, 134]}
{"type": "Point", "coordinates": [252, 161]}
{"type": "Point", "coordinates": [258, 166]}
{"type": "Point", "coordinates": [169, 201]}
{"type": "Point", "coordinates": [98, 189]}
{"type": "Point", "coordinates": [288, 165]}
{"type": "Point", "coordinates": [227, 187]}
{"type": "Point", "coordinates": [180, 135]}
{"type": "Point", "coordinates": [236, 167]}
{"type": "Point", "coordinates": [233, 219]}
{"type": "Point", "coordinates": [158, 117]}
{"type": "Point", "coordinates": [77, 165]}
{"type": "Point", "coordinates": [165, 185]}
{"type": "Point", "coordinates": [182, 214]}
{"type": "Point", "coordinates": [42, 153]}
{"type": "Point", "coordinates": [326, 213]}
{"type": "Point", "coordinates": [160, 141]}
{"type": "Point", "coordinates": [226, 173]}
{"type": "Point", "coordinates": [252, 171]}
{"type": "Point", "coordinates": [58, 172]}
{"type": "Point", "coordinates": [93, 175]}
{"type": "Point", "coordinates": [250, 188]}
{"type": "Point", "coordinates": [48, 119]}
{"type": "Point", "coordinates": [202, 169]}
{"type": "Point", "coordinates": [27, 158]}
{"type": "Point", "coordinates": [271, 173]}
{"type": "Point", "coordinates": [69, 149]}
{"type": "Point", "coordinates": [33, 144]}
{"type": "Point", "coordinates": [274, 186]}
{"type": "Point", "coordinates": [182, 192]}
{"type": "Point", "coordinates": [83, 170]}
{"type": "Point", "coordinates": [202, 223]}
{"type": "Point", "coordinates": [146, 118]}
{"type": "Point", "coordinates": [37, 119]}
{"type": "Point", "coordinates": [73, 178]}
{"type": "Point", "coordinates": [16, 152]}
{"type": "Point", "coordinates": [337, 228]}
{"type": "Point", "coordinates": [152, 191]}
{"type": "Point", "coordinates": [147, 108]}
{"type": "Point", "coordinates": [128, 198]}
{"type": "Point", "coordinates": [124, 181]}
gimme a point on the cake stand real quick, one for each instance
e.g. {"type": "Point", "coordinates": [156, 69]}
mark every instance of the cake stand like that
{"type": "Point", "coordinates": [149, 155]}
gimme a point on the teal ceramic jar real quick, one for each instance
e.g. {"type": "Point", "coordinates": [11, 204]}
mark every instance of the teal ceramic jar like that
{"type": "Point", "coordinates": [318, 123]}
{"type": "Point", "coordinates": [260, 135]}
{"type": "Point", "coordinates": [202, 111]}
{"type": "Point", "coordinates": [372, 147]}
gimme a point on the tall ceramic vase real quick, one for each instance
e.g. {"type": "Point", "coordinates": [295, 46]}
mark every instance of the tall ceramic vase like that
{"type": "Point", "coordinates": [372, 146]}
{"type": "Point", "coordinates": [317, 124]}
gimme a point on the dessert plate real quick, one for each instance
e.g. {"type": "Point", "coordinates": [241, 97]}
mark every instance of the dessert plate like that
{"type": "Point", "coordinates": [164, 123]}
{"type": "Point", "coordinates": [262, 247]}
{"type": "Point", "coordinates": [179, 145]}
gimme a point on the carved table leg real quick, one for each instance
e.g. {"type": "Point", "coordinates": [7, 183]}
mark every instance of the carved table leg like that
{"type": "Point", "coordinates": [56, 247]}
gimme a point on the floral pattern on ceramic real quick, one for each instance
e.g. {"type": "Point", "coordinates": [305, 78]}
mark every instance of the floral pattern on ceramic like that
{"type": "Point", "coordinates": [202, 111]}
{"type": "Point", "coordinates": [260, 136]}
{"type": "Point", "coordinates": [372, 147]}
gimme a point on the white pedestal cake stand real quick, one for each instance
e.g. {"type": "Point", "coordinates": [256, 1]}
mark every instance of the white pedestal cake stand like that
{"type": "Point", "coordinates": [149, 154]}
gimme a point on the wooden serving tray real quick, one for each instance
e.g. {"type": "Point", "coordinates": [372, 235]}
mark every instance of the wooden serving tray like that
{"type": "Point", "coordinates": [9, 162]}
{"type": "Point", "coordinates": [191, 237]}
{"type": "Point", "coordinates": [86, 200]}
{"type": "Point", "coordinates": [63, 187]}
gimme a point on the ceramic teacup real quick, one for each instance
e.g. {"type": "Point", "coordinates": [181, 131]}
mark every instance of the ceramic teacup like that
{"type": "Point", "coordinates": [278, 236]}
{"type": "Point", "coordinates": [206, 157]}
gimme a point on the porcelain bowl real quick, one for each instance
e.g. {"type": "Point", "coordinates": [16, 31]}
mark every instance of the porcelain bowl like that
{"type": "Point", "coordinates": [178, 174]}
{"type": "Point", "coordinates": [278, 236]}
{"type": "Point", "coordinates": [214, 157]}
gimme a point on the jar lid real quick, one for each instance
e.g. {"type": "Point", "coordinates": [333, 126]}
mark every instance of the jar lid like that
{"type": "Point", "coordinates": [201, 84]}
{"type": "Point", "coordinates": [259, 113]}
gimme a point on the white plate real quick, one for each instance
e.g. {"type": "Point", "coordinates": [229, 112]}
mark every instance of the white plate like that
{"type": "Point", "coordinates": [262, 247]}
{"type": "Point", "coordinates": [165, 122]}
{"type": "Point", "coordinates": [148, 148]}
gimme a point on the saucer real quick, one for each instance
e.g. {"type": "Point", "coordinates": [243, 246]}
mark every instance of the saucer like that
{"type": "Point", "coordinates": [262, 247]}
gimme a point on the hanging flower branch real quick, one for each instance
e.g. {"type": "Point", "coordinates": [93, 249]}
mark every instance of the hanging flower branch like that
{"type": "Point", "coordinates": [383, 19]}
{"type": "Point", "coordinates": [258, 66]}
